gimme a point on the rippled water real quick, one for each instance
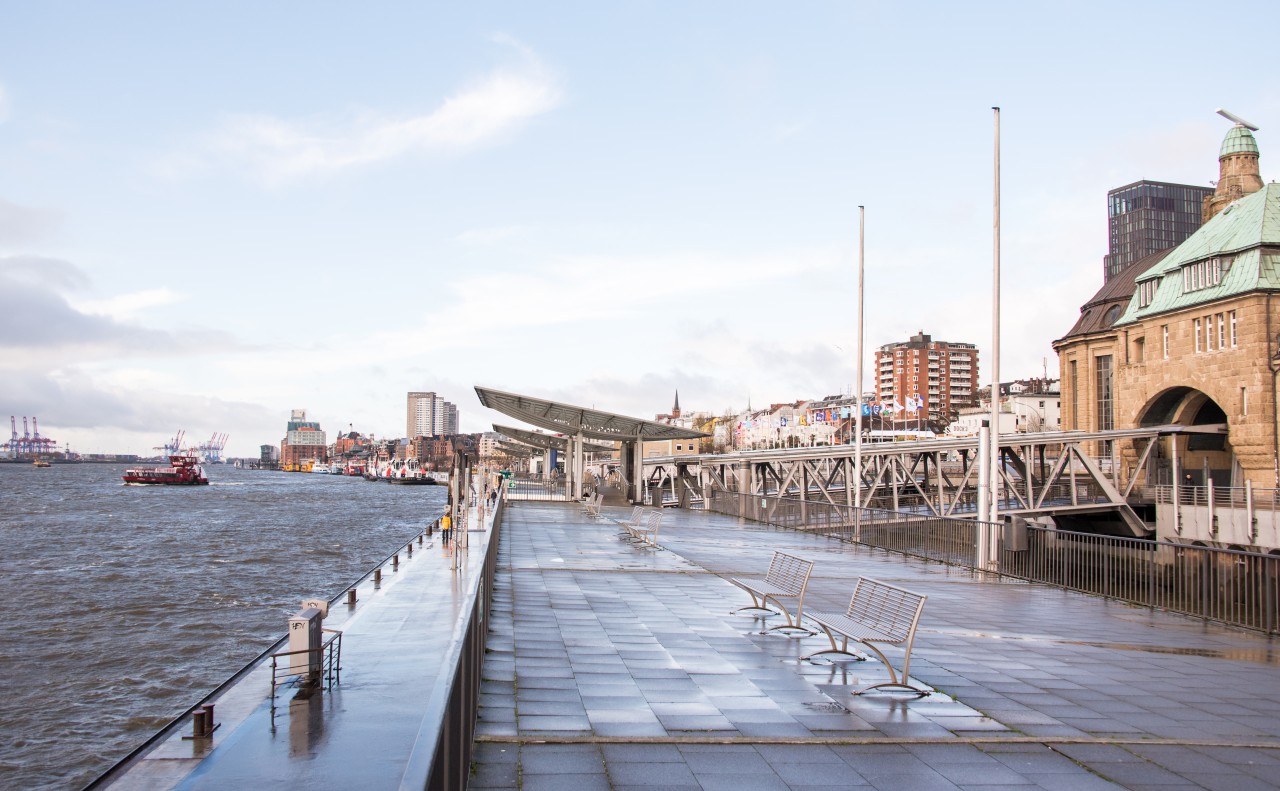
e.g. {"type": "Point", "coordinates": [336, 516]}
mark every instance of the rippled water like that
{"type": "Point", "coordinates": [127, 604]}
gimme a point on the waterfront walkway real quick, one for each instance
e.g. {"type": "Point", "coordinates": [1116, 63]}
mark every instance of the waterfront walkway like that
{"type": "Point", "coordinates": [611, 666]}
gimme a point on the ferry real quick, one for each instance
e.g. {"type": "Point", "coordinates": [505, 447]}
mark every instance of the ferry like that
{"type": "Point", "coordinates": [183, 471]}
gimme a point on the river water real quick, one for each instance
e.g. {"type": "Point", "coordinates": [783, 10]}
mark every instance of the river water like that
{"type": "Point", "coordinates": [127, 604]}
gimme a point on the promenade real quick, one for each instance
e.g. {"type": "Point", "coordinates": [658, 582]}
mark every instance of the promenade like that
{"type": "Point", "coordinates": [612, 666]}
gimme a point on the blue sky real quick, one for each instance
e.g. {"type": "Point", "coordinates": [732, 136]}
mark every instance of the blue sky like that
{"type": "Point", "coordinates": [211, 215]}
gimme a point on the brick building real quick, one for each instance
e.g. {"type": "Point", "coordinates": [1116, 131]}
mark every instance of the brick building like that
{"type": "Point", "coordinates": [943, 375]}
{"type": "Point", "coordinates": [1188, 336]}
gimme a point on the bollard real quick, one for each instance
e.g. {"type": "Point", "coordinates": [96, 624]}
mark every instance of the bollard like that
{"type": "Point", "coordinates": [420, 539]}
{"type": "Point", "coordinates": [430, 529]}
{"type": "Point", "coordinates": [199, 724]}
{"type": "Point", "coordinates": [351, 597]}
{"type": "Point", "coordinates": [409, 547]}
{"type": "Point", "coordinates": [377, 577]}
{"type": "Point", "coordinates": [209, 725]}
{"type": "Point", "coordinates": [395, 561]}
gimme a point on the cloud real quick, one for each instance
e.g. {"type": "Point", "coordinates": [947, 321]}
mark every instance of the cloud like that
{"type": "Point", "coordinates": [22, 225]}
{"type": "Point", "coordinates": [483, 112]}
{"type": "Point", "coordinates": [37, 317]}
{"type": "Point", "coordinates": [127, 306]}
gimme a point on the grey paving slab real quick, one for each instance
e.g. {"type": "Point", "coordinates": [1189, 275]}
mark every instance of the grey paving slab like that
{"type": "Point", "coordinates": [645, 643]}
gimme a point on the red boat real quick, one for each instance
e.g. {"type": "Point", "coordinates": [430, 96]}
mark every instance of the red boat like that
{"type": "Point", "coordinates": [185, 471]}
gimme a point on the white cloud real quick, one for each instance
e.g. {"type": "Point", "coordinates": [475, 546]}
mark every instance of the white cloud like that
{"type": "Point", "coordinates": [127, 306]}
{"type": "Point", "coordinates": [279, 150]}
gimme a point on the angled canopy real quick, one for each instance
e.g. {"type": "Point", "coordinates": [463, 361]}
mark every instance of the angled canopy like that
{"type": "Point", "coordinates": [568, 419]}
{"type": "Point", "coordinates": [547, 440]}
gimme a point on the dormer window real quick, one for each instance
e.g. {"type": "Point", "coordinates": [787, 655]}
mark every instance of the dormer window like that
{"type": "Point", "coordinates": [1147, 292]}
{"type": "Point", "coordinates": [1204, 274]}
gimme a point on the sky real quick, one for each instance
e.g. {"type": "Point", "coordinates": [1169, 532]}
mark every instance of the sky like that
{"type": "Point", "coordinates": [213, 214]}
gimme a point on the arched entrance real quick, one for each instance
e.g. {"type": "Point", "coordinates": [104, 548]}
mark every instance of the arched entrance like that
{"type": "Point", "coordinates": [1201, 457]}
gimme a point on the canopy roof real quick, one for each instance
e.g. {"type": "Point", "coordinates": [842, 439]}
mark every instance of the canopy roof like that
{"type": "Point", "coordinates": [569, 419]}
{"type": "Point", "coordinates": [547, 440]}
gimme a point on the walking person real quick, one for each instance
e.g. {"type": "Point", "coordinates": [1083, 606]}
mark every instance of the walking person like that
{"type": "Point", "coordinates": [446, 527]}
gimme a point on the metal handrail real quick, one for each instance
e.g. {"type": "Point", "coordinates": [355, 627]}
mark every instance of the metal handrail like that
{"type": "Point", "coordinates": [330, 652]}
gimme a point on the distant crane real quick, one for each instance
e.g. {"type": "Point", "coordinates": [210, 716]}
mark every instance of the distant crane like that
{"type": "Point", "coordinates": [211, 451]}
{"type": "Point", "coordinates": [174, 446]}
{"type": "Point", "coordinates": [27, 443]}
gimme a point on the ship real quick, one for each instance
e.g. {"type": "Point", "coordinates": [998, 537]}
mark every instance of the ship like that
{"type": "Point", "coordinates": [184, 470]}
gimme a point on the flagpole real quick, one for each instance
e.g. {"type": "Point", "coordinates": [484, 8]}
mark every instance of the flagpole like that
{"type": "Point", "coordinates": [857, 388]}
{"type": "Point", "coordinates": [994, 502]}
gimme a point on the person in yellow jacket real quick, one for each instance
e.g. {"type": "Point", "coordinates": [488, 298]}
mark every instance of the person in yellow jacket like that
{"type": "Point", "coordinates": [446, 527]}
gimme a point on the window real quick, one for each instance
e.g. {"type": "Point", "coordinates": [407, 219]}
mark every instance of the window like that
{"type": "Point", "coordinates": [1075, 397]}
{"type": "Point", "coordinates": [1231, 319]}
{"type": "Point", "coordinates": [1244, 401]}
{"type": "Point", "coordinates": [1106, 414]}
{"type": "Point", "coordinates": [1204, 274]}
{"type": "Point", "coordinates": [1208, 333]}
{"type": "Point", "coordinates": [1147, 292]}
{"type": "Point", "coordinates": [1164, 333]}
{"type": "Point", "coordinates": [1139, 349]}
{"type": "Point", "coordinates": [1222, 331]}
{"type": "Point", "coordinates": [1195, 327]}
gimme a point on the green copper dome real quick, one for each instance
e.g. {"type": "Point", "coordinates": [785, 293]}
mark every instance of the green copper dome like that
{"type": "Point", "coordinates": [1239, 140]}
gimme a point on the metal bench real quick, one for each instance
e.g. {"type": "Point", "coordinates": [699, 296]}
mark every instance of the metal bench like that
{"type": "Point", "coordinates": [646, 532]}
{"type": "Point", "coordinates": [787, 578]}
{"type": "Point", "coordinates": [878, 613]}
{"type": "Point", "coordinates": [591, 505]}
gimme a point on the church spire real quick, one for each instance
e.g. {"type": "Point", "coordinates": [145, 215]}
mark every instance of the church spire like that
{"type": "Point", "coordinates": [675, 410]}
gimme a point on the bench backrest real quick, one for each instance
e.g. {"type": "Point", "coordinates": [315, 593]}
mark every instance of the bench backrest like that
{"type": "Point", "coordinates": [653, 521]}
{"type": "Point", "coordinates": [789, 573]}
{"type": "Point", "coordinates": [637, 511]}
{"type": "Point", "coordinates": [886, 608]}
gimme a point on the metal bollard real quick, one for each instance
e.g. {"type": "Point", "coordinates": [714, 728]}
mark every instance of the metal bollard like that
{"type": "Point", "coordinates": [420, 539]}
{"type": "Point", "coordinates": [395, 561]}
{"type": "Point", "coordinates": [351, 597]}
{"type": "Point", "coordinates": [409, 547]}
{"type": "Point", "coordinates": [199, 724]}
{"type": "Point", "coordinates": [209, 724]}
{"type": "Point", "coordinates": [377, 576]}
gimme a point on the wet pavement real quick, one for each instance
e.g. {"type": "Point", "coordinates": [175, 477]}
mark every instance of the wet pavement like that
{"type": "Point", "coordinates": [613, 666]}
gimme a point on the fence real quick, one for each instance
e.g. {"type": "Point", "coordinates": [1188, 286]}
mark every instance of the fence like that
{"type": "Point", "coordinates": [537, 489]}
{"type": "Point", "coordinates": [1234, 587]}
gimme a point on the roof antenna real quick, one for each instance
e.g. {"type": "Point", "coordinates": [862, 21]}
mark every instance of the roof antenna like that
{"type": "Point", "coordinates": [1237, 119]}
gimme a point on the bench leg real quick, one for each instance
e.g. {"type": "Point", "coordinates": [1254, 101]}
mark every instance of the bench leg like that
{"type": "Point", "coordinates": [842, 649]}
{"type": "Point", "coordinates": [757, 603]}
{"type": "Point", "coordinates": [792, 624]}
{"type": "Point", "coordinates": [893, 681]}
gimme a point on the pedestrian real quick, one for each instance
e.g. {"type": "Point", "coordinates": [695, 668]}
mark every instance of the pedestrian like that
{"type": "Point", "coordinates": [446, 525]}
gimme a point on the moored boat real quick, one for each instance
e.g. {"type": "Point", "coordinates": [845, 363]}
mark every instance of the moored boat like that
{"type": "Point", "coordinates": [183, 471]}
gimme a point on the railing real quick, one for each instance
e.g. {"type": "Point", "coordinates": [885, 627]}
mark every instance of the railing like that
{"type": "Point", "coordinates": [441, 755]}
{"type": "Point", "coordinates": [328, 660]}
{"type": "Point", "coordinates": [1223, 496]}
{"type": "Point", "coordinates": [1233, 587]}
{"type": "Point", "coordinates": [537, 489]}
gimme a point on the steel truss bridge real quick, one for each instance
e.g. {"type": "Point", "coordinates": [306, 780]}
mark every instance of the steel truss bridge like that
{"type": "Point", "coordinates": [1040, 474]}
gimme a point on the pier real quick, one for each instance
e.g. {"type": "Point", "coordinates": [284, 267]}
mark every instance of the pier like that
{"type": "Point", "coordinates": [606, 665]}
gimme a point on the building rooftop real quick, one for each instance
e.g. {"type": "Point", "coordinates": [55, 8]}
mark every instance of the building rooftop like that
{"type": "Point", "coordinates": [1239, 140]}
{"type": "Point", "coordinates": [1243, 231]}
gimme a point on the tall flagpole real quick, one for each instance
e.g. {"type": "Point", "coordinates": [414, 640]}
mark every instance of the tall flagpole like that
{"type": "Point", "coordinates": [857, 388]}
{"type": "Point", "coordinates": [994, 502]}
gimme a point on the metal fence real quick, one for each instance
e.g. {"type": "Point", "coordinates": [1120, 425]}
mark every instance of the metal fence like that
{"type": "Point", "coordinates": [1233, 587]}
{"type": "Point", "coordinates": [537, 489]}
